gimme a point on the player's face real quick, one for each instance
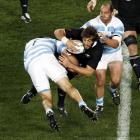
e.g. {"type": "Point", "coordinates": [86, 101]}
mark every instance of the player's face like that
{"type": "Point", "coordinates": [105, 14]}
{"type": "Point", "coordinates": [88, 42]}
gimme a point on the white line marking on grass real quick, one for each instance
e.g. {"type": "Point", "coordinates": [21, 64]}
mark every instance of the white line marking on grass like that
{"type": "Point", "coordinates": [125, 95]}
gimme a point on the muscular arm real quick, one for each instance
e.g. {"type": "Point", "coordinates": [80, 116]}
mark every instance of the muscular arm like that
{"type": "Point", "coordinates": [111, 42]}
{"type": "Point", "coordinates": [87, 71]}
{"type": "Point", "coordinates": [65, 35]}
{"type": "Point", "coordinates": [59, 33]}
{"type": "Point", "coordinates": [66, 62]}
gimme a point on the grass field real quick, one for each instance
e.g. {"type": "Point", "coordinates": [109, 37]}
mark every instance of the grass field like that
{"type": "Point", "coordinates": [28, 122]}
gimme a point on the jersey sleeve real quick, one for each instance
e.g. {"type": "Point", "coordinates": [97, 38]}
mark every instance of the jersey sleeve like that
{"type": "Point", "coordinates": [74, 34]}
{"type": "Point", "coordinates": [92, 22]}
{"type": "Point", "coordinates": [87, 24]}
{"type": "Point", "coordinates": [60, 46]}
{"type": "Point", "coordinates": [119, 29]}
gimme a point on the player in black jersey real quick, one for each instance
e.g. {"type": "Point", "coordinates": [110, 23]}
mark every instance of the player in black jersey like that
{"type": "Point", "coordinates": [88, 60]}
{"type": "Point", "coordinates": [128, 11]}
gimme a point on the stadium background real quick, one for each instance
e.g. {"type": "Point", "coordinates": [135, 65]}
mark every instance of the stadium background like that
{"type": "Point", "coordinates": [28, 122]}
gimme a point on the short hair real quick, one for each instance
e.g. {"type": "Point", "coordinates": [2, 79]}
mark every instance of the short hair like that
{"type": "Point", "coordinates": [90, 31]}
{"type": "Point", "coordinates": [108, 4]}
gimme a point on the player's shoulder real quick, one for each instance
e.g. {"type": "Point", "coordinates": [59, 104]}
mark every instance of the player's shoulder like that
{"type": "Point", "coordinates": [96, 19]}
{"type": "Point", "coordinates": [116, 21]}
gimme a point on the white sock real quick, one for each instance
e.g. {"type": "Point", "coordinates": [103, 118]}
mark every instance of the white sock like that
{"type": "Point", "coordinates": [113, 89]}
{"type": "Point", "coordinates": [100, 101]}
{"type": "Point", "coordinates": [82, 103]}
{"type": "Point", "coordinates": [48, 110]}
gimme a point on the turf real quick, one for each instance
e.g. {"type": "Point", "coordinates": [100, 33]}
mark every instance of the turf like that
{"type": "Point", "coordinates": [28, 122]}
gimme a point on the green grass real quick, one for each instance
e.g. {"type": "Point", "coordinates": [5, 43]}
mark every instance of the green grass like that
{"type": "Point", "coordinates": [28, 122]}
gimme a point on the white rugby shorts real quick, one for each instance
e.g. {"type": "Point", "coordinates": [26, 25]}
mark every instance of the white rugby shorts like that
{"type": "Point", "coordinates": [108, 58]}
{"type": "Point", "coordinates": [45, 67]}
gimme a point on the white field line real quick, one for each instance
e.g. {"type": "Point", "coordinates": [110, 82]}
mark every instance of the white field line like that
{"type": "Point", "coordinates": [124, 111]}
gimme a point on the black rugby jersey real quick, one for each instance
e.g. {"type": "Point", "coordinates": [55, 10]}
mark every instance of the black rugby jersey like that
{"type": "Point", "coordinates": [127, 8]}
{"type": "Point", "coordinates": [91, 56]}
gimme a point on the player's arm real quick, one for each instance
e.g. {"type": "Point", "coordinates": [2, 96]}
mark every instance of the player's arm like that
{"type": "Point", "coordinates": [91, 5]}
{"type": "Point", "coordinates": [87, 71]}
{"type": "Point", "coordinates": [60, 34]}
{"type": "Point", "coordinates": [113, 42]}
{"type": "Point", "coordinates": [65, 35]}
{"type": "Point", "coordinates": [117, 37]}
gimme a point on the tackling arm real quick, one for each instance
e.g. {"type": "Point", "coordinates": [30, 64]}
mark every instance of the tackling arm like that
{"type": "Point", "coordinates": [87, 71]}
{"type": "Point", "coordinates": [60, 34]}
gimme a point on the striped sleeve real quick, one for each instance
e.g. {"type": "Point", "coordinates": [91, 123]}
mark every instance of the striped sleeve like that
{"type": "Point", "coordinates": [60, 47]}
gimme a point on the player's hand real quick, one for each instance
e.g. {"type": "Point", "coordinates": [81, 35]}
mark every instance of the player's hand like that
{"type": "Point", "coordinates": [64, 60]}
{"type": "Point", "coordinates": [91, 5]}
{"type": "Point", "coordinates": [115, 12]}
{"type": "Point", "coordinates": [65, 51]}
{"type": "Point", "coordinates": [71, 46]}
{"type": "Point", "coordinates": [102, 36]}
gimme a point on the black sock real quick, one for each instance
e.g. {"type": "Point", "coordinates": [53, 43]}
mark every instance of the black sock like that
{"type": "Point", "coordinates": [61, 97]}
{"type": "Point", "coordinates": [135, 63]}
{"type": "Point", "coordinates": [33, 91]}
{"type": "Point", "coordinates": [24, 6]}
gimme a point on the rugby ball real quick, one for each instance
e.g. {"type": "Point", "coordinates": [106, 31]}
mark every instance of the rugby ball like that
{"type": "Point", "coordinates": [79, 46]}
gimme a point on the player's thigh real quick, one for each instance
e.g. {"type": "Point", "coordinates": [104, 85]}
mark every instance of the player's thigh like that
{"type": "Point", "coordinates": [54, 70]}
{"type": "Point", "coordinates": [115, 70]}
{"type": "Point", "coordinates": [101, 69]}
{"type": "Point", "coordinates": [100, 77]}
{"type": "Point", "coordinates": [103, 63]}
{"type": "Point", "coordinates": [39, 78]}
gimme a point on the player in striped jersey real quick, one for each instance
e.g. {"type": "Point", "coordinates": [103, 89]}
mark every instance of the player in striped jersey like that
{"type": "Point", "coordinates": [41, 64]}
{"type": "Point", "coordinates": [111, 31]}
{"type": "Point", "coordinates": [128, 11]}
{"type": "Point", "coordinates": [39, 46]}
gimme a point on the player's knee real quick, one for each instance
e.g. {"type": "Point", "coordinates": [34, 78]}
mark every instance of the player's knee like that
{"type": "Point", "coordinates": [116, 81]}
{"type": "Point", "coordinates": [100, 83]}
{"type": "Point", "coordinates": [131, 39]}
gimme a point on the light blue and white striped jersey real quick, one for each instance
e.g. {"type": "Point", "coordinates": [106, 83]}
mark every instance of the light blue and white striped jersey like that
{"type": "Point", "coordinates": [39, 46]}
{"type": "Point", "coordinates": [114, 28]}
